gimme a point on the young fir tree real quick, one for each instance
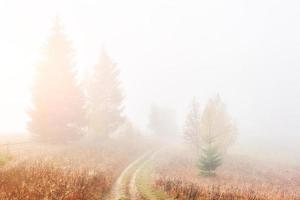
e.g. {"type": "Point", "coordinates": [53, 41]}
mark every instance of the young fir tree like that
{"type": "Point", "coordinates": [104, 98]}
{"type": "Point", "coordinates": [210, 159]}
{"type": "Point", "coordinates": [57, 113]}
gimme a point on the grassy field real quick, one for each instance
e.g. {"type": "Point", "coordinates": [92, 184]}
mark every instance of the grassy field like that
{"type": "Point", "coordinates": [239, 178]}
{"type": "Point", "coordinates": [79, 172]}
{"type": "Point", "coordinates": [4, 159]}
{"type": "Point", "coordinates": [69, 172]}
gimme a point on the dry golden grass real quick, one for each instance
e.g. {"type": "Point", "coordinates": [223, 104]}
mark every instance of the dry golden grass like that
{"type": "Point", "coordinates": [189, 191]}
{"type": "Point", "coordinates": [35, 180]}
{"type": "Point", "coordinates": [63, 172]}
{"type": "Point", "coordinates": [237, 179]}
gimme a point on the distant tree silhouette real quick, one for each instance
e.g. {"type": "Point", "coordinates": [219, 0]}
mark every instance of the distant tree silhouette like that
{"type": "Point", "coordinates": [57, 112]}
{"type": "Point", "coordinates": [192, 127]}
{"type": "Point", "coordinates": [128, 131]}
{"type": "Point", "coordinates": [217, 125]}
{"type": "Point", "coordinates": [104, 98]}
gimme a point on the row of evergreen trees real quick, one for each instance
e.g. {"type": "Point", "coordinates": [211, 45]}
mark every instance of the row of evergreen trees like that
{"type": "Point", "coordinates": [63, 109]}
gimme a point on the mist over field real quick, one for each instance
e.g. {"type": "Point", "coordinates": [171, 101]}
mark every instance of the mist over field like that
{"type": "Point", "coordinates": [207, 87]}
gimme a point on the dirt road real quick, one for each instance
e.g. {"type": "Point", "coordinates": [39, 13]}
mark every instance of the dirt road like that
{"type": "Point", "coordinates": [135, 182]}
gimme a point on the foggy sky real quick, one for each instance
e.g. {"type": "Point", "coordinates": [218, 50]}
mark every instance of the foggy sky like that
{"type": "Point", "coordinates": [169, 51]}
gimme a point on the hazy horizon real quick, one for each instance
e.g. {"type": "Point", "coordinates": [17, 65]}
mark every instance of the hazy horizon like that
{"type": "Point", "coordinates": [168, 52]}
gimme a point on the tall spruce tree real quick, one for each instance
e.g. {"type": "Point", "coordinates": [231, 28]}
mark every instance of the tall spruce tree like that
{"type": "Point", "coordinates": [57, 112]}
{"type": "Point", "coordinates": [104, 98]}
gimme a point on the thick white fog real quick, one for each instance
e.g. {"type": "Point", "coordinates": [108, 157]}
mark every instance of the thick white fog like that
{"type": "Point", "coordinates": [169, 51]}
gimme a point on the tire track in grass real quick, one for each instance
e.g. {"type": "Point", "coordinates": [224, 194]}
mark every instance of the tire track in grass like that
{"type": "Point", "coordinates": [136, 183]}
{"type": "Point", "coordinates": [144, 181]}
{"type": "Point", "coordinates": [121, 188]}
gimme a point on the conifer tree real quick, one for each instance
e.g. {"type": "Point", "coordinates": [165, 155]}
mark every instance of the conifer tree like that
{"type": "Point", "coordinates": [104, 98]}
{"type": "Point", "coordinates": [210, 158]}
{"type": "Point", "coordinates": [57, 113]}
